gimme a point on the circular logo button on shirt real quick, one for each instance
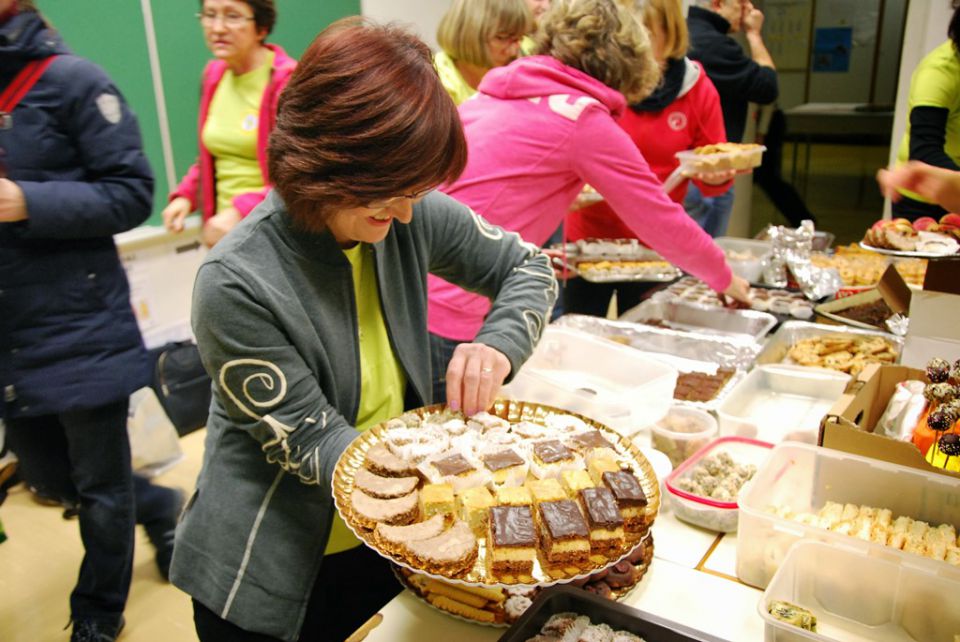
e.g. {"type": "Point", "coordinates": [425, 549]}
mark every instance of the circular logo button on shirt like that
{"type": "Point", "coordinates": [677, 121]}
{"type": "Point", "coordinates": [249, 123]}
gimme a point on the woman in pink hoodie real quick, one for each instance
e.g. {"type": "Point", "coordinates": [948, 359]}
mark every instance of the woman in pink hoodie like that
{"type": "Point", "coordinates": [238, 107]}
{"type": "Point", "coordinates": [542, 127]}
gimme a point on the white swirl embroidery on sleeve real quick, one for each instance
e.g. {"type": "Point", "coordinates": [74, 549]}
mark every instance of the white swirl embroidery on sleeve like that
{"type": "Point", "coordinates": [269, 380]}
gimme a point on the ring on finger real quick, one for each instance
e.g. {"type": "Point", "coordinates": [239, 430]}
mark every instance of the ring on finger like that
{"type": "Point", "coordinates": [486, 370]}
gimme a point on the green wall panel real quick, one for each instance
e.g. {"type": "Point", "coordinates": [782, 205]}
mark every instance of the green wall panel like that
{"type": "Point", "coordinates": [112, 34]}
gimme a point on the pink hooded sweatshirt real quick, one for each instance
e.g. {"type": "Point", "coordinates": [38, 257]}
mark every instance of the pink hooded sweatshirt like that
{"type": "Point", "coordinates": [199, 185]}
{"type": "Point", "coordinates": [536, 132]}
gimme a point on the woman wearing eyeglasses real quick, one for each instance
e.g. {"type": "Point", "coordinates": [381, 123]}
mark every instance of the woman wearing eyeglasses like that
{"type": "Point", "coordinates": [474, 37]}
{"type": "Point", "coordinates": [311, 320]}
{"type": "Point", "coordinates": [238, 106]}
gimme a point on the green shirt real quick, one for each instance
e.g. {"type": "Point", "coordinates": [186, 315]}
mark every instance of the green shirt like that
{"type": "Point", "coordinates": [936, 83]}
{"type": "Point", "coordinates": [230, 133]}
{"type": "Point", "coordinates": [382, 384]}
{"type": "Point", "coordinates": [451, 78]}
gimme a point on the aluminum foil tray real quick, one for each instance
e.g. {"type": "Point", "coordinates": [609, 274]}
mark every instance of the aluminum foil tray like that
{"type": "Point", "coordinates": [480, 574]}
{"type": "Point", "coordinates": [694, 318]}
{"type": "Point", "coordinates": [779, 344]}
{"type": "Point", "coordinates": [686, 351]}
{"type": "Point", "coordinates": [617, 253]}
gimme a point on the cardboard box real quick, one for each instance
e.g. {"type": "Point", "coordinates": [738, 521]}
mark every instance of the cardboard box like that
{"type": "Point", "coordinates": [849, 424]}
{"type": "Point", "coordinates": [935, 316]}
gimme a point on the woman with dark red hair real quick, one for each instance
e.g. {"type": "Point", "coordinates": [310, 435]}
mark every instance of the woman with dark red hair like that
{"type": "Point", "coordinates": [311, 320]}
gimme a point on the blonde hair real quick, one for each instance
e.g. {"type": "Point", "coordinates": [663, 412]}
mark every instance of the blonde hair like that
{"type": "Point", "coordinates": [468, 26]}
{"type": "Point", "coordinates": [603, 40]}
{"type": "Point", "coordinates": [669, 15]}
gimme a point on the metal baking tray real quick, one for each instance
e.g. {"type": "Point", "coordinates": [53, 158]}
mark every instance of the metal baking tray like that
{"type": "Point", "coordinates": [565, 599]}
{"type": "Point", "coordinates": [614, 251]}
{"type": "Point", "coordinates": [779, 344]}
{"type": "Point", "coordinates": [686, 351]}
{"type": "Point", "coordinates": [694, 318]}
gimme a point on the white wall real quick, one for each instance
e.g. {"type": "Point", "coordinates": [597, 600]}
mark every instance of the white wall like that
{"type": "Point", "coordinates": [422, 15]}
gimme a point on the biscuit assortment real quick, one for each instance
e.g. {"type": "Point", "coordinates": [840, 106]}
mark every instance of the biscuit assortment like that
{"type": "Point", "coordinates": [843, 352]}
{"type": "Point", "coordinates": [540, 498]}
{"type": "Point", "coordinates": [858, 267]}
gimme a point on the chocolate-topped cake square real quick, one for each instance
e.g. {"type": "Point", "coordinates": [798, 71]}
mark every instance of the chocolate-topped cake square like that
{"type": "Point", "coordinates": [455, 464]}
{"type": "Point", "coordinates": [630, 498]}
{"type": "Point", "coordinates": [564, 533]}
{"type": "Point", "coordinates": [551, 457]}
{"type": "Point", "coordinates": [506, 467]}
{"type": "Point", "coordinates": [512, 539]}
{"type": "Point", "coordinates": [603, 518]}
{"type": "Point", "coordinates": [584, 442]}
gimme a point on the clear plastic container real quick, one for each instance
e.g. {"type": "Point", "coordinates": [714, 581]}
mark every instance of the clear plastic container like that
{"type": "Point", "coordinates": [803, 478]}
{"type": "Point", "coordinates": [743, 157]}
{"type": "Point", "coordinates": [682, 432]}
{"type": "Point", "coordinates": [745, 256]}
{"type": "Point", "coordinates": [777, 403]}
{"type": "Point", "coordinates": [859, 598]}
{"type": "Point", "coordinates": [712, 514]}
{"type": "Point", "coordinates": [608, 382]}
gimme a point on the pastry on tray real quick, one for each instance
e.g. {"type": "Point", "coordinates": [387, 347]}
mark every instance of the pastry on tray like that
{"type": "Point", "coordinates": [394, 539]}
{"type": "Point", "coordinates": [550, 457]}
{"type": "Point", "coordinates": [563, 532]}
{"type": "Point", "coordinates": [573, 481]}
{"type": "Point", "coordinates": [603, 518]}
{"type": "Point", "coordinates": [546, 490]}
{"type": "Point", "coordinates": [473, 507]}
{"type": "Point", "coordinates": [630, 499]}
{"type": "Point", "coordinates": [514, 496]}
{"type": "Point", "coordinates": [381, 461]}
{"type": "Point", "coordinates": [506, 467]}
{"type": "Point", "coordinates": [512, 539]}
{"type": "Point", "coordinates": [452, 552]}
{"type": "Point", "coordinates": [437, 499]}
{"type": "Point", "coordinates": [384, 487]}
{"type": "Point", "coordinates": [369, 510]}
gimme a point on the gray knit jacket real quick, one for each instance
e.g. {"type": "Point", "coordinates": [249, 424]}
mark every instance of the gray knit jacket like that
{"type": "Point", "coordinates": [275, 319]}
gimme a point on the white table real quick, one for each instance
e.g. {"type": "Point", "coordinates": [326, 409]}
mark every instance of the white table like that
{"type": "Point", "coordinates": [692, 580]}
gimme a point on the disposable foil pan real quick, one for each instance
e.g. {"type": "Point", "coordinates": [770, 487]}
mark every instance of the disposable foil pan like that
{"type": "Point", "coordinates": [686, 351]}
{"type": "Point", "coordinates": [778, 345]}
{"type": "Point", "coordinates": [694, 318]}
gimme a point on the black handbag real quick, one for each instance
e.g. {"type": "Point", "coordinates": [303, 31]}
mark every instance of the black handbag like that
{"type": "Point", "coordinates": [182, 385]}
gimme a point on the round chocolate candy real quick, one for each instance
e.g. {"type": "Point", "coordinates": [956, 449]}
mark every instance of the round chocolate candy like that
{"type": "Point", "coordinates": [600, 588]}
{"type": "Point", "coordinates": [939, 421]}
{"type": "Point", "coordinates": [938, 370]}
{"type": "Point", "coordinates": [950, 445]}
{"type": "Point", "coordinates": [938, 393]}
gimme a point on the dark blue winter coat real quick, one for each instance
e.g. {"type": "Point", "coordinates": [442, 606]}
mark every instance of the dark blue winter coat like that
{"type": "Point", "coordinates": [68, 336]}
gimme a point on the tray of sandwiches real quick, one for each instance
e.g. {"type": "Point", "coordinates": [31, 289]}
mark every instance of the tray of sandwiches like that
{"type": "Point", "coordinates": [614, 261]}
{"type": "Point", "coordinates": [522, 495]}
{"type": "Point", "coordinates": [501, 606]}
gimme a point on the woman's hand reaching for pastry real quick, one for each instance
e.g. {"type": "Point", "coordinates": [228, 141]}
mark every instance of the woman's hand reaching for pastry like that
{"type": "Point", "coordinates": [737, 294]}
{"type": "Point", "coordinates": [474, 377]}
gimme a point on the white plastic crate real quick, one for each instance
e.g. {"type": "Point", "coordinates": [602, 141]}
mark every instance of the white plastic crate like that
{"type": "Point", "coordinates": [608, 382]}
{"type": "Point", "coordinates": [803, 478]}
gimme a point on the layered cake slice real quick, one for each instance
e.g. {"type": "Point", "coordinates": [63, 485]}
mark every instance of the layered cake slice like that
{"type": "Point", "coordinates": [454, 469]}
{"type": "Point", "coordinates": [452, 552]}
{"type": "Point", "coordinates": [584, 442]}
{"type": "Point", "coordinates": [381, 461]}
{"type": "Point", "coordinates": [600, 461]}
{"type": "Point", "coordinates": [550, 458]}
{"type": "Point", "coordinates": [573, 481]}
{"type": "Point", "coordinates": [603, 518]}
{"type": "Point", "coordinates": [383, 487]}
{"type": "Point", "coordinates": [630, 499]}
{"type": "Point", "coordinates": [437, 499]}
{"type": "Point", "coordinates": [546, 490]}
{"type": "Point", "coordinates": [512, 539]}
{"type": "Point", "coordinates": [369, 511]}
{"type": "Point", "coordinates": [394, 539]}
{"type": "Point", "coordinates": [474, 508]}
{"type": "Point", "coordinates": [506, 467]}
{"type": "Point", "coordinates": [564, 535]}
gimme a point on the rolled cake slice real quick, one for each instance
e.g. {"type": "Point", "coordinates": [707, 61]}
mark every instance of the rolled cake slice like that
{"type": "Point", "coordinates": [383, 487]}
{"type": "Point", "coordinates": [381, 461]}
{"type": "Point", "coordinates": [630, 497]}
{"type": "Point", "coordinates": [563, 532]}
{"type": "Point", "coordinates": [452, 552]}
{"type": "Point", "coordinates": [512, 539]}
{"type": "Point", "coordinates": [603, 518]}
{"type": "Point", "coordinates": [370, 511]}
{"type": "Point", "coordinates": [394, 539]}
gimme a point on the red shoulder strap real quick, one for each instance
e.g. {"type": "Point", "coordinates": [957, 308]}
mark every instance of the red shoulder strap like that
{"type": "Point", "coordinates": [22, 83]}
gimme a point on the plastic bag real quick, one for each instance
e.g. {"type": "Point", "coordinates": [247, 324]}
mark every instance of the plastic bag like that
{"type": "Point", "coordinates": [903, 411]}
{"type": "Point", "coordinates": [154, 442]}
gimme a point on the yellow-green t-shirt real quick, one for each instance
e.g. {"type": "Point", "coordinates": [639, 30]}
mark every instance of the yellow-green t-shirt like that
{"type": "Point", "coordinates": [230, 133]}
{"type": "Point", "coordinates": [936, 83]}
{"type": "Point", "coordinates": [451, 78]}
{"type": "Point", "coordinates": [382, 382]}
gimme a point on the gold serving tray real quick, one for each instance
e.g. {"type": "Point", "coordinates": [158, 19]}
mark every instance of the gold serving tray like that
{"type": "Point", "coordinates": [481, 575]}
